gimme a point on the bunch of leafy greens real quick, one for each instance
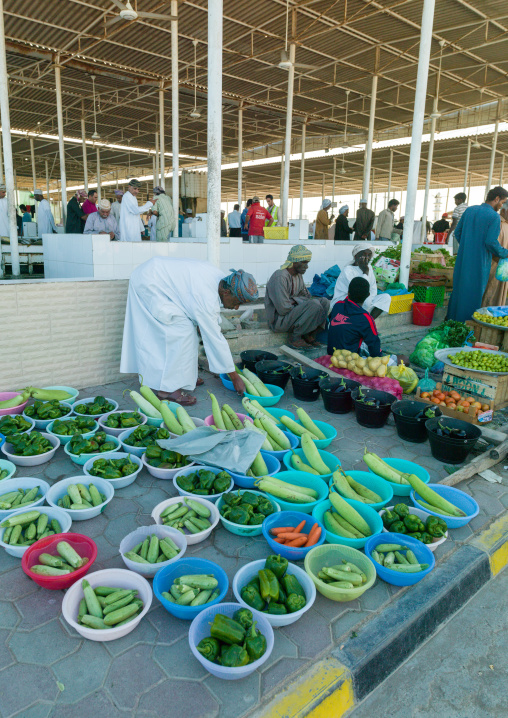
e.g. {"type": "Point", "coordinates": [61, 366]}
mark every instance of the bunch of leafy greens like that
{"type": "Point", "coordinates": [456, 332]}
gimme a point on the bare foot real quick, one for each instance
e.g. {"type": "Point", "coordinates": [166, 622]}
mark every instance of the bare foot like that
{"type": "Point", "coordinates": [199, 381]}
{"type": "Point", "coordinates": [297, 343]}
{"type": "Point", "coordinates": [179, 397]}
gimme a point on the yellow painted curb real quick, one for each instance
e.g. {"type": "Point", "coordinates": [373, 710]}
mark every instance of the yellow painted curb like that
{"type": "Point", "coordinates": [494, 541]}
{"type": "Point", "coordinates": [325, 691]}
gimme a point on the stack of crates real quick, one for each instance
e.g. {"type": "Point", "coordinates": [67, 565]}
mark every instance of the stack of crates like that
{"type": "Point", "coordinates": [432, 295]}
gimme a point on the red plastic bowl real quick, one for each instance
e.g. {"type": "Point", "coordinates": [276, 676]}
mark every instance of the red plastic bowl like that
{"type": "Point", "coordinates": [4, 395]}
{"type": "Point", "coordinates": [82, 544]}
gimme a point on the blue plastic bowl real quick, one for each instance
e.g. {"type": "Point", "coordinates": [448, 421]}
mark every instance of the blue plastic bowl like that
{"type": "Point", "coordinates": [277, 413]}
{"type": "Point", "coordinates": [408, 467]}
{"type": "Point", "coordinates": [240, 529]}
{"type": "Point", "coordinates": [247, 482]}
{"type": "Point", "coordinates": [456, 497]}
{"type": "Point", "coordinates": [330, 460]}
{"type": "Point", "coordinates": [293, 440]}
{"type": "Point", "coordinates": [163, 580]}
{"type": "Point", "coordinates": [298, 478]}
{"type": "Point", "coordinates": [420, 550]}
{"type": "Point", "coordinates": [328, 430]}
{"type": "Point", "coordinates": [374, 483]}
{"type": "Point", "coordinates": [277, 392]}
{"type": "Point", "coordinates": [366, 512]}
{"type": "Point", "coordinates": [228, 384]}
{"type": "Point", "coordinates": [291, 518]}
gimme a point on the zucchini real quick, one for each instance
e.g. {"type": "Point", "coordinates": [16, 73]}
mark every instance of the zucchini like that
{"type": "Point", "coordinates": [307, 422]}
{"type": "Point", "coordinates": [313, 456]}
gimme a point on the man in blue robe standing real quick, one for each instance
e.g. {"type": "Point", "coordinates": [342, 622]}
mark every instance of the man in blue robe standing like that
{"type": "Point", "coordinates": [477, 234]}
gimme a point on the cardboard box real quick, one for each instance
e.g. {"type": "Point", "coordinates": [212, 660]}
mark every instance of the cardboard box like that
{"type": "Point", "coordinates": [470, 417]}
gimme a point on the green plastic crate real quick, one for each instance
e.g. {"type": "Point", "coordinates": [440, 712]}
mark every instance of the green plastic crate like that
{"type": "Point", "coordinates": [433, 295]}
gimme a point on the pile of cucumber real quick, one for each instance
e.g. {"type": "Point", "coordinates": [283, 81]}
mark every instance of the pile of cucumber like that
{"type": "Point", "coordinates": [25, 529]}
{"type": "Point", "coordinates": [106, 607]}
{"type": "Point", "coordinates": [153, 550]}
{"type": "Point", "coordinates": [79, 496]}
{"type": "Point", "coordinates": [68, 561]}
{"type": "Point", "coordinates": [344, 520]}
{"type": "Point", "coordinates": [397, 558]}
{"type": "Point", "coordinates": [193, 590]}
{"type": "Point", "coordinates": [19, 498]}
{"type": "Point", "coordinates": [343, 575]}
{"type": "Point", "coordinates": [188, 515]}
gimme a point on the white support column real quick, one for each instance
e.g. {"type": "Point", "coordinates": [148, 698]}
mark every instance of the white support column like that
{"type": "Point", "coordinates": [174, 113]}
{"type": "Point", "coordinates": [83, 143]}
{"type": "Point", "coordinates": [1, 162]}
{"type": "Point", "coordinates": [501, 171]}
{"type": "Point", "coordinates": [157, 179]}
{"type": "Point", "coordinates": [161, 130]}
{"type": "Point", "coordinates": [289, 126]}
{"type": "Point", "coordinates": [61, 147]}
{"type": "Point", "coordinates": [323, 187]}
{"type": "Point", "coordinates": [370, 138]}
{"type": "Point", "coordinates": [34, 174]}
{"type": "Point", "coordinates": [302, 167]}
{"type": "Point", "coordinates": [153, 171]}
{"type": "Point", "coordinates": [493, 150]}
{"type": "Point", "coordinates": [47, 178]}
{"type": "Point", "coordinates": [99, 187]}
{"type": "Point", "coordinates": [372, 192]}
{"type": "Point", "coordinates": [333, 180]}
{"type": "Point", "coordinates": [214, 128]}
{"type": "Point", "coordinates": [240, 152]}
{"type": "Point", "coordinates": [390, 168]}
{"type": "Point", "coordinates": [416, 138]}
{"type": "Point", "coordinates": [7, 147]}
{"type": "Point", "coordinates": [433, 119]}
{"type": "Point", "coordinates": [466, 171]}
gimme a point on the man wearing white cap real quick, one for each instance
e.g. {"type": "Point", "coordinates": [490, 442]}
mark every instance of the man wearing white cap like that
{"type": "Point", "coordinates": [342, 229]}
{"type": "Point", "coordinates": [45, 222]}
{"type": "Point", "coordinates": [188, 216]}
{"type": "Point", "coordinates": [115, 207]}
{"type": "Point", "coordinates": [364, 222]}
{"type": "Point", "coordinates": [102, 221]}
{"type": "Point", "coordinates": [359, 266]}
{"type": "Point", "coordinates": [4, 217]}
{"type": "Point", "coordinates": [323, 221]}
{"type": "Point", "coordinates": [131, 225]}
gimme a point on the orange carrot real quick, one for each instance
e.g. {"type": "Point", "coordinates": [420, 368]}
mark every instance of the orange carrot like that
{"type": "Point", "coordinates": [313, 529]}
{"type": "Point", "coordinates": [280, 530]}
{"type": "Point", "coordinates": [300, 526]}
{"type": "Point", "coordinates": [279, 540]}
{"type": "Point", "coordinates": [301, 541]}
{"type": "Point", "coordinates": [291, 535]}
{"type": "Point", "coordinates": [314, 538]}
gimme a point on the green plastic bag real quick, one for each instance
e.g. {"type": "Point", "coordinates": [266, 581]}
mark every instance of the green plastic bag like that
{"type": "Point", "coordinates": [405, 376]}
{"type": "Point", "coordinates": [423, 354]}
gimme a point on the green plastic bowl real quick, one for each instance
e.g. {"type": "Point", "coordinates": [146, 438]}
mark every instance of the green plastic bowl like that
{"type": "Point", "coordinates": [238, 529]}
{"type": "Point", "coordinates": [331, 554]}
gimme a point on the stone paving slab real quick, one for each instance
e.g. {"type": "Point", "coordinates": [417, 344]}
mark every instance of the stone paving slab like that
{"type": "Point", "coordinates": [46, 669]}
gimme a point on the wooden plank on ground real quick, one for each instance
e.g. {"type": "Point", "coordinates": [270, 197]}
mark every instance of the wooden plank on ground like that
{"type": "Point", "coordinates": [480, 463]}
{"type": "Point", "coordinates": [302, 359]}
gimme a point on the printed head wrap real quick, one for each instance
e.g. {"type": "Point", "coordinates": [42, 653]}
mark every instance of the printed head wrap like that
{"type": "Point", "coordinates": [242, 285]}
{"type": "Point", "coordinates": [343, 209]}
{"type": "Point", "coordinates": [297, 253]}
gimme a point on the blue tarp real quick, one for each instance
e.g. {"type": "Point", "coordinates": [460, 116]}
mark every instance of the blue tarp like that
{"type": "Point", "coordinates": [324, 285]}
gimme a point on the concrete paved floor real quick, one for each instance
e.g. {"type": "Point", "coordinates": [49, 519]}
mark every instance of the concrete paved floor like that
{"type": "Point", "coordinates": [48, 670]}
{"type": "Point", "coordinates": [460, 672]}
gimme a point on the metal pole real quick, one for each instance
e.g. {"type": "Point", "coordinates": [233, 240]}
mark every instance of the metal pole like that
{"type": "Point", "coordinates": [161, 130]}
{"type": "Point", "coordinates": [7, 146]}
{"type": "Point", "coordinates": [501, 173]}
{"type": "Point", "coordinates": [493, 150]}
{"type": "Point", "coordinates": [281, 190]}
{"type": "Point", "coordinates": [372, 188]}
{"type": "Point", "coordinates": [433, 120]}
{"type": "Point", "coordinates": [333, 179]}
{"type": "Point", "coordinates": [390, 176]}
{"type": "Point", "coordinates": [156, 179]}
{"type": "Point", "coordinates": [34, 174]}
{"type": "Point", "coordinates": [83, 142]}
{"type": "Point", "coordinates": [98, 174]}
{"type": "Point", "coordinates": [416, 138]}
{"type": "Point", "coordinates": [47, 178]}
{"type": "Point", "coordinates": [214, 128]}
{"type": "Point", "coordinates": [240, 152]}
{"type": "Point", "coordinates": [116, 177]}
{"type": "Point", "coordinates": [174, 113]}
{"type": "Point", "coordinates": [323, 187]}
{"type": "Point", "coordinates": [61, 148]}
{"type": "Point", "coordinates": [289, 125]}
{"type": "Point", "coordinates": [1, 163]}
{"type": "Point", "coordinates": [370, 138]}
{"type": "Point", "coordinates": [466, 171]}
{"type": "Point", "coordinates": [302, 167]}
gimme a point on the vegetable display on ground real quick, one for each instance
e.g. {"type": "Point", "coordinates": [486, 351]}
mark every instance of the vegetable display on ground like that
{"type": "Point", "coordinates": [295, 537]}
{"type": "Point", "coordinates": [105, 607]}
{"type": "Point", "coordinates": [96, 444]}
{"type": "Point", "coordinates": [193, 590]}
{"type": "Point", "coordinates": [123, 420]}
{"type": "Point", "coordinates": [274, 590]}
{"type": "Point", "coordinates": [67, 561]}
{"type": "Point", "coordinates": [100, 405]}
{"type": "Point", "coordinates": [153, 550]}
{"type": "Point", "coordinates": [165, 458]}
{"type": "Point", "coordinates": [397, 558]}
{"type": "Point", "coordinates": [233, 642]}
{"type": "Point", "coordinates": [32, 444]}
{"type": "Point", "coordinates": [47, 410]}
{"type": "Point", "coordinates": [351, 489]}
{"type": "Point", "coordinates": [13, 424]}
{"type": "Point", "coordinates": [344, 520]}
{"type": "Point", "coordinates": [369, 366]}
{"type": "Point", "coordinates": [187, 516]}
{"type": "Point", "coordinates": [286, 491]}
{"type": "Point", "coordinates": [144, 436]}
{"type": "Point", "coordinates": [246, 509]}
{"type": "Point", "coordinates": [480, 360]}
{"type": "Point", "coordinates": [113, 468]}
{"type": "Point", "coordinates": [79, 496]}
{"type": "Point", "coordinates": [204, 482]}
{"type": "Point", "coordinates": [76, 425]}
{"type": "Point", "coordinates": [399, 520]}
{"type": "Point", "coordinates": [19, 498]}
{"type": "Point", "coordinates": [342, 575]}
{"type": "Point", "coordinates": [27, 528]}
{"type": "Point", "coordinates": [454, 400]}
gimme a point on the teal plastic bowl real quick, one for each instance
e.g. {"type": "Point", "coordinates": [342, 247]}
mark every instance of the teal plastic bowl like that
{"type": "Point", "coordinates": [239, 529]}
{"type": "Point", "coordinates": [328, 430]}
{"type": "Point", "coordinates": [370, 515]}
{"type": "Point", "coordinates": [64, 439]}
{"type": "Point", "coordinates": [374, 483]}
{"type": "Point", "coordinates": [83, 458]}
{"type": "Point", "coordinates": [69, 389]}
{"type": "Point", "coordinates": [330, 460]}
{"type": "Point", "coordinates": [7, 466]}
{"type": "Point", "coordinates": [299, 478]}
{"type": "Point", "coordinates": [277, 392]}
{"type": "Point", "coordinates": [408, 467]}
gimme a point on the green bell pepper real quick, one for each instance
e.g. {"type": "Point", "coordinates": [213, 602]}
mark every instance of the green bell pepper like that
{"type": "Point", "coordinates": [435, 526]}
{"type": "Point", "coordinates": [205, 479]}
{"type": "Point", "coordinates": [412, 523]}
{"type": "Point", "coordinates": [265, 507]}
{"type": "Point", "coordinates": [269, 585]}
{"type": "Point", "coordinates": [389, 517]}
{"type": "Point", "coordinates": [277, 565]}
{"type": "Point", "coordinates": [426, 538]}
{"type": "Point", "coordinates": [398, 527]}
{"type": "Point", "coordinates": [244, 617]}
{"type": "Point", "coordinates": [291, 585]}
{"type": "Point", "coordinates": [234, 656]}
{"type": "Point", "coordinates": [227, 630]}
{"type": "Point", "coordinates": [237, 515]}
{"type": "Point", "coordinates": [252, 597]}
{"type": "Point", "coordinates": [221, 484]}
{"type": "Point", "coordinates": [256, 519]}
{"type": "Point", "coordinates": [401, 510]}
{"type": "Point", "coordinates": [231, 499]}
{"type": "Point", "coordinates": [277, 609]}
{"type": "Point", "coordinates": [255, 643]}
{"type": "Point", "coordinates": [186, 483]}
{"type": "Point", "coordinates": [295, 603]}
{"type": "Point", "coordinates": [209, 648]}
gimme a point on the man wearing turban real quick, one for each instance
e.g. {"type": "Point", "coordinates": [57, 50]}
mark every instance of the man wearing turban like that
{"type": "Point", "coordinates": [168, 300]}
{"type": "Point", "coordinates": [117, 204]}
{"type": "Point", "coordinates": [323, 221]}
{"type": "Point", "coordinates": [289, 306]}
{"type": "Point", "coordinates": [102, 221]}
{"type": "Point", "coordinates": [342, 229]}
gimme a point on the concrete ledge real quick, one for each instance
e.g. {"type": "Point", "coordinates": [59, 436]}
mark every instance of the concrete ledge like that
{"type": "Point", "coordinates": [381, 644]}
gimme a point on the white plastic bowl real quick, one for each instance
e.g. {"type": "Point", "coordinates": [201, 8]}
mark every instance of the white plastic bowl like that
{"type": "Point", "coordinates": [195, 419]}
{"type": "Point", "coordinates": [135, 537]}
{"type": "Point", "coordinates": [164, 474]}
{"type": "Point", "coordinates": [136, 450]}
{"type": "Point", "coordinates": [69, 389]}
{"type": "Point", "coordinates": [200, 629]}
{"type": "Point", "coordinates": [22, 482]}
{"type": "Point", "coordinates": [116, 483]}
{"type": "Point", "coordinates": [116, 432]}
{"type": "Point", "coordinates": [53, 513]}
{"type": "Point", "coordinates": [42, 424]}
{"type": "Point", "coordinates": [32, 460]}
{"type": "Point", "coordinates": [81, 459]}
{"type": "Point", "coordinates": [191, 538]}
{"type": "Point", "coordinates": [65, 438]}
{"type": "Point", "coordinates": [423, 515]}
{"type": "Point", "coordinates": [90, 400]}
{"type": "Point", "coordinates": [58, 490]}
{"type": "Point", "coordinates": [198, 467]}
{"type": "Point", "coordinates": [250, 570]}
{"type": "Point", "coordinates": [7, 466]}
{"type": "Point", "coordinates": [116, 578]}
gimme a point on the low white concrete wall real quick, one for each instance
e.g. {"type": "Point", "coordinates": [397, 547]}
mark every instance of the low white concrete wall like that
{"type": "Point", "coordinates": [95, 256]}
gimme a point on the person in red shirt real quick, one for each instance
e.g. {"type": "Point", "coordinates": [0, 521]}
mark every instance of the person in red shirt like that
{"type": "Point", "coordinates": [89, 206]}
{"type": "Point", "coordinates": [255, 221]}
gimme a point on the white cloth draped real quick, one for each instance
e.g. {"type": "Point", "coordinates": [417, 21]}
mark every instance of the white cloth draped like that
{"type": "Point", "coordinates": [168, 300]}
{"type": "Point", "coordinates": [131, 225]}
{"type": "Point", "coordinates": [381, 301]}
{"type": "Point", "coordinates": [45, 222]}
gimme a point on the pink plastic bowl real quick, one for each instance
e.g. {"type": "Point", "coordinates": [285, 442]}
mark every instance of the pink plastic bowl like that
{"type": "Point", "coordinates": [4, 395]}
{"type": "Point", "coordinates": [210, 422]}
